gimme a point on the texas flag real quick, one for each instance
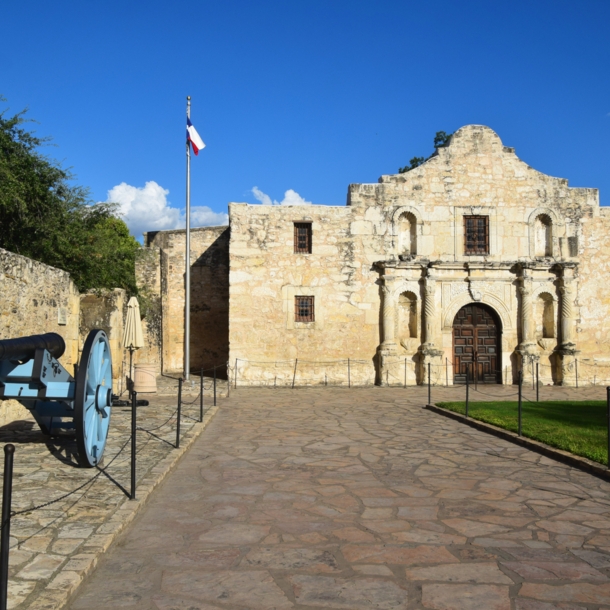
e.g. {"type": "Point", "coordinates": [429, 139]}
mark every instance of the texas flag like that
{"type": "Point", "coordinates": [193, 137]}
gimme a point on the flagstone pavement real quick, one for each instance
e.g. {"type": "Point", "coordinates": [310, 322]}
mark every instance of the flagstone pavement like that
{"type": "Point", "coordinates": [357, 499]}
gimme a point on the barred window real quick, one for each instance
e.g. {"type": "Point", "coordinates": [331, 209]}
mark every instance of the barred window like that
{"type": "Point", "coordinates": [476, 234]}
{"type": "Point", "coordinates": [302, 237]}
{"type": "Point", "coordinates": [303, 309]}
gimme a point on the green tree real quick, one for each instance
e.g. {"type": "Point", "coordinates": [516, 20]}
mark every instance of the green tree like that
{"type": "Point", "coordinates": [441, 139]}
{"type": "Point", "coordinates": [413, 163]}
{"type": "Point", "coordinates": [45, 217]}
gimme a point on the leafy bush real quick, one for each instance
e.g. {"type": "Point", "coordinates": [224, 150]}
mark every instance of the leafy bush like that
{"type": "Point", "coordinates": [46, 218]}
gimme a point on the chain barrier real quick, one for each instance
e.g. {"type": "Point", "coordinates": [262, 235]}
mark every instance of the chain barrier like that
{"type": "Point", "coordinates": [198, 395]}
{"type": "Point", "coordinates": [89, 483]}
{"type": "Point", "coordinates": [493, 395]}
{"type": "Point", "coordinates": [100, 470]}
{"type": "Point", "coordinates": [8, 515]}
{"type": "Point", "coordinates": [290, 373]}
{"type": "Point", "coordinates": [70, 493]}
{"type": "Point", "coordinates": [206, 388]}
{"type": "Point", "coordinates": [402, 371]}
{"type": "Point", "coordinates": [160, 426]}
{"type": "Point", "coordinates": [217, 367]}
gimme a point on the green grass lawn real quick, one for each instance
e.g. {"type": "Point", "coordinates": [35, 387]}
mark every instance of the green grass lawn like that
{"type": "Point", "coordinates": [579, 427]}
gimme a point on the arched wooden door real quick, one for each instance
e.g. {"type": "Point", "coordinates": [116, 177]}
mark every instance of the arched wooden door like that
{"type": "Point", "coordinates": [477, 340]}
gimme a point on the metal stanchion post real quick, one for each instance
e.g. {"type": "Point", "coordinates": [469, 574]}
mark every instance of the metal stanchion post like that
{"type": "Point", "coordinates": [236, 373]}
{"type": "Point", "coordinates": [537, 383]}
{"type": "Point", "coordinates": [349, 376]}
{"type": "Point", "coordinates": [5, 533]}
{"type": "Point", "coordinates": [294, 375]}
{"type": "Point", "coordinates": [228, 379]}
{"type": "Point", "coordinates": [178, 413]}
{"type": "Point", "coordinates": [520, 401]}
{"type": "Point", "coordinates": [476, 371]}
{"type": "Point", "coordinates": [134, 400]}
{"type": "Point", "coordinates": [214, 385]}
{"type": "Point", "coordinates": [405, 373]}
{"type": "Point", "coordinates": [429, 387]}
{"type": "Point", "coordinates": [608, 409]}
{"type": "Point", "coordinates": [467, 387]}
{"type": "Point", "coordinates": [201, 396]}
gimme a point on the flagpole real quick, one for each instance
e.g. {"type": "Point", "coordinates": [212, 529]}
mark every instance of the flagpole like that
{"type": "Point", "coordinates": [187, 274]}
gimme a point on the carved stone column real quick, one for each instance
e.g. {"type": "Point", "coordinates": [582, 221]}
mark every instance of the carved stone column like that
{"type": "Point", "coordinates": [567, 312]}
{"type": "Point", "coordinates": [429, 311]}
{"type": "Point", "coordinates": [388, 350]}
{"type": "Point", "coordinates": [430, 354]}
{"type": "Point", "coordinates": [389, 313]}
{"type": "Point", "coordinates": [528, 350]}
{"type": "Point", "coordinates": [567, 350]}
{"type": "Point", "coordinates": [527, 323]}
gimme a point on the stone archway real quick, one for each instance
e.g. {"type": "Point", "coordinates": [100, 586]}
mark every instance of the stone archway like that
{"type": "Point", "coordinates": [477, 344]}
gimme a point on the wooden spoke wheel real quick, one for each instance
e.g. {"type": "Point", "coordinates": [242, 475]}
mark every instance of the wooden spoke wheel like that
{"type": "Point", "coordinates": [93, 399]}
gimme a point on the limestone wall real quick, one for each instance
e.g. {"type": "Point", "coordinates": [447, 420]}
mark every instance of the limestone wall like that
{"type": "Point", "coordinates": [162, 276]}
{"type": "Point", "coordinates": [475, 174]}
{"type": "Point", "coordinates": [148, 278]}
{"type": "Point", "coordinates": [266, 275]}
{"type": "Point", "coordinates": [593, 303]}
{"type": "Point", "coordinates": [35, 299]}
{"type": "Point", "coordinates": [106, 310]}
{"type": "Point", "coordinates": [404, 238]}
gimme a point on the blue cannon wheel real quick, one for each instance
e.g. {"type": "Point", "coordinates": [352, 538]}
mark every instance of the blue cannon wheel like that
{"type": "Point", "coordinates": [93, 399]}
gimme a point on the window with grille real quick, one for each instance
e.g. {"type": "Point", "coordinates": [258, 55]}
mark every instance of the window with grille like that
{"type": "Point", "coordinates": [302, 237]}
{"type": "Point", "coordinates": [303, 309]}
{"type": "Point", "coordinates": [476, 234]}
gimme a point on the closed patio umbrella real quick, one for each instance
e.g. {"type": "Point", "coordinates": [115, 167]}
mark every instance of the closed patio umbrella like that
{"type": "Point", "coordinates": [133, 338]}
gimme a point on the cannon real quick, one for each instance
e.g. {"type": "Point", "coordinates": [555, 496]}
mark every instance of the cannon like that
{"type": "Point", "coordinates": [31, 373]}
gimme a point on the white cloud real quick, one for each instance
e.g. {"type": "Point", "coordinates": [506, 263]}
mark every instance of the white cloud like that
{"type": "Point", "coordinates": [147, 209]}
{"type": "Point", "coordinates": [293, 198]}
{"type": "Point", "coordinates": [203, 216]}
{"type": "Point", "coordinates": [290, 198]}
{"type": "Point", "coordinates": [258, 194]}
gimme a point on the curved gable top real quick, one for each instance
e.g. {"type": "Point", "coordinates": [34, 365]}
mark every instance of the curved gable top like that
{"type": "Point", "coordinates": [475, 139]}
{"type": "Point", "coordinates": [466, 142]}
{"type": "Point", "coordinates": [474, 169]}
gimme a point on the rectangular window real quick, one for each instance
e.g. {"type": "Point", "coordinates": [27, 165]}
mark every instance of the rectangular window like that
{"type": "Point", "coordinates": [302, 237]}
{"type": "Point", "coordinates": [303, 309]}
{"type": "Point", "coordinates": [476, 234]}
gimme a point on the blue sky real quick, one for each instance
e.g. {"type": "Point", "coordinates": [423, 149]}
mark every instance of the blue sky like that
{"type": "Point", "coordinates": [307, 96]}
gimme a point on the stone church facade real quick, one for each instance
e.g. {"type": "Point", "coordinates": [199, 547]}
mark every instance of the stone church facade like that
{"type": "Point", "coordinates": [471, 264]}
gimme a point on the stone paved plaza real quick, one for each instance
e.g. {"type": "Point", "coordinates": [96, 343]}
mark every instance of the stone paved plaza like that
{"type": "Point", "coordinates": [354, 499]}
{"type": "Point", "coordinates": [53, 548]}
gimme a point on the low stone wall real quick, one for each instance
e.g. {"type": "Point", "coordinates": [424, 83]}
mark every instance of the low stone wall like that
{"type": "Point", "coordinates": [148, 276]}
{"type": "Point", "coordinates": [35, 299]}
{"type": "Point", "coordinates": [106, 310]}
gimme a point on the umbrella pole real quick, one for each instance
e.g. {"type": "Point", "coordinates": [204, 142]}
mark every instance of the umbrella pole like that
{"type": "Point", "coordinates": [130, 370]}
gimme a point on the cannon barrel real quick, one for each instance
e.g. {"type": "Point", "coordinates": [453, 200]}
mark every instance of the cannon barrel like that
{"type": "Point", "coordinates": [24, 348]}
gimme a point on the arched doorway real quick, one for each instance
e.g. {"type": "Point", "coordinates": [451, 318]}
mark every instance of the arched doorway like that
{"type": "Point", "coordinates": [477, 340]}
